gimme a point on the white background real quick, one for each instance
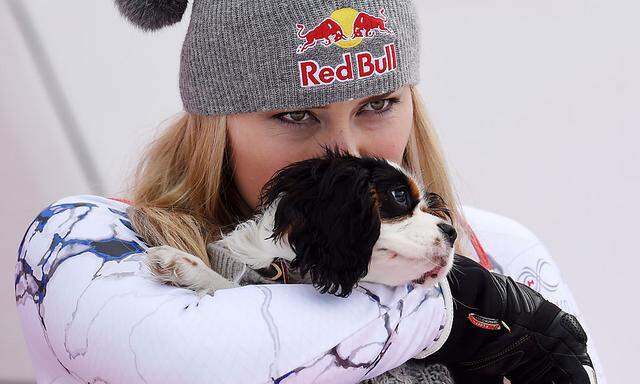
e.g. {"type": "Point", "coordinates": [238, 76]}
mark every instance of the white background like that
{"type": "Point", "coordinates": [537, 105]}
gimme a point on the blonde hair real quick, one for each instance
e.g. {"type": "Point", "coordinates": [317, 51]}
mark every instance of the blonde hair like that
{"type": "Point", "coordinates": [183, 194]}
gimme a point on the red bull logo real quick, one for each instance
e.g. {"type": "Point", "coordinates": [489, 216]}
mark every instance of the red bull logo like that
{"type": "Point", "coordinates": [328, 32]}
{"type": "Point", "coordinates": [368, 24]}
{"type": "Point", "coordinates": [345, 28]}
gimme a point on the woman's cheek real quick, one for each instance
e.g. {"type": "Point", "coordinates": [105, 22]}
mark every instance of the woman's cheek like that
{"type": "Point", "coordinates": [391, 143]}
{"type": "Point", "coordinates": [259, 170]}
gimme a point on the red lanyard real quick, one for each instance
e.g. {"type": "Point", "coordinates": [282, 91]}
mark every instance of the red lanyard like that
{"type": "Point", "coordinates": [122, 200]}
{"type": "Point", "coordinates": [482, 255]}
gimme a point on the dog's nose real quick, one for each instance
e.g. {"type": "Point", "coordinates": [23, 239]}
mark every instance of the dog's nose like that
{"type": "Point", "coordinates": [449, 231]}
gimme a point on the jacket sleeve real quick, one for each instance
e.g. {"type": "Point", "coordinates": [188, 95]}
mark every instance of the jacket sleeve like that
{"type": "Point", "coordinates": [516, 251]}
{"type": "Point", "coordinates": [90, 313]}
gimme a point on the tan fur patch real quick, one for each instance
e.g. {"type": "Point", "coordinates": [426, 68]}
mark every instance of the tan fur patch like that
{"type": "Point", "coordinates": [413, 188]}
{"type": "Point", "coordinates": [376, 201]}
{"type": "Point", "coordinates": [167, 268]}
{"type": "Point", "coordinates": [188, 260]}
{"type": "Point", "coordinates": [160, 270]}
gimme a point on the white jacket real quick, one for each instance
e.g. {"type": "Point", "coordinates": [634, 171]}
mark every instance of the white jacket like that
{"type": "Point", "coordinates": [90, 312]}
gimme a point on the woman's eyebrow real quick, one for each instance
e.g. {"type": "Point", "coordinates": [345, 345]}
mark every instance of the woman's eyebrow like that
{"type": "Point", "coordinates": [375, 97]}
{"type": "Point", "coordinates": [366, 99]}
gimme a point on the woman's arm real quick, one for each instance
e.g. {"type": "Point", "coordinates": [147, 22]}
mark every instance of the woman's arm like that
{"type": "Point", "coordinates": [90, 313]}
{"type": "Point", "coordinates": [515, 251]}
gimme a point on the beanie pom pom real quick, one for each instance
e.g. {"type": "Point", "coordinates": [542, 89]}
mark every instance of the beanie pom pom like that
{"type": "Point", "coordinates": [152, 14]}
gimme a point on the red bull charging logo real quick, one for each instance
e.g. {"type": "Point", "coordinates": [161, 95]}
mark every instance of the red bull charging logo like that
{"type": "Point", "coordinates": [345, 28]}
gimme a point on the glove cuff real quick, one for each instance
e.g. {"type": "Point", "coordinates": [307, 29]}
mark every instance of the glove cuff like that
{"type": "Point", "coordinates": [543, 317]}
{"type": "Point", "coordinates": [444, 335]}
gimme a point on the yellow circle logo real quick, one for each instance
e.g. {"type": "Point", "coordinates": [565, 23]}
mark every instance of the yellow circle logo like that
{"type": "Point", "coordinates": [345, 18]}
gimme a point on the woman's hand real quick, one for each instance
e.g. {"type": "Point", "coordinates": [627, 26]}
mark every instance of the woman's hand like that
{"type": "Point", "coordinates": [502, 328]}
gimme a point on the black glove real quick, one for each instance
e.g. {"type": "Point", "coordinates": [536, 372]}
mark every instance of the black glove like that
{"type": "Point", "coordinates": [502, 328]}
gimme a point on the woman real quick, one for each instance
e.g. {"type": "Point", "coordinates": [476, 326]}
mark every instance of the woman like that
{"type": "Point", "coordinates": [263, 84]}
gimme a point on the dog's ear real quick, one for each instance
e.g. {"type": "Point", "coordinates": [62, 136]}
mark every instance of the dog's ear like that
{"type": "Point", "coordinates": [328, 213]}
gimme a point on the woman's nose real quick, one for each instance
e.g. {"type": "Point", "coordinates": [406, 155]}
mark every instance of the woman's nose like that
{"type": "Point", "coordinates": [346, 139]}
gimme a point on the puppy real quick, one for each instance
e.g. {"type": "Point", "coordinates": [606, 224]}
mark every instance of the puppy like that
{"type": "Point", "coordinates": [339, 218]}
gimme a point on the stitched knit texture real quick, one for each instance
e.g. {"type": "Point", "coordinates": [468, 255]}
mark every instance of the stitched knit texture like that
{"type": "Point", "coordinates": [246, 55]}
{"type": "Point", "coordinates": [413, 371]}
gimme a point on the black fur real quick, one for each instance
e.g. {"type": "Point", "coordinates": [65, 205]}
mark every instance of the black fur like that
{"type": "Point", "coordinates": [327, 213]}
{"type": "Point", "coordinates": [438, 206]}
{"type": "Point", "coordinates": [152, 14]}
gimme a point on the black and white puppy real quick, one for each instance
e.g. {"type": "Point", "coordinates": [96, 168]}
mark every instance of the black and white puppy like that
{"type": "Point", "coordinates": [341, 219]}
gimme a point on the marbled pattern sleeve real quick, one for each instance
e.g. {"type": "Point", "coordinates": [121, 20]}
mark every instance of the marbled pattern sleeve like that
{"type": "Point", "coordinates": [91, 314]}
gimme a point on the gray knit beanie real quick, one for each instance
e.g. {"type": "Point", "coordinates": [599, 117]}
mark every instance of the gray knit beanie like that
{"type": "Point", "coordinates": [257, 55]}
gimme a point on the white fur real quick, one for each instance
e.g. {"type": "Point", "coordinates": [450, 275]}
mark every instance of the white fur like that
{"type": "Point", "coordinates": [248, 242]}
{"type": "Point", "coordinates": [175, 267]}
{"type": "Point", "coordinates": [405, 251]}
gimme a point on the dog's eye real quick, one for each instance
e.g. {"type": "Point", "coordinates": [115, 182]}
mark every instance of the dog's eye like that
{"type": "Point", "coordinates": [400, 195]}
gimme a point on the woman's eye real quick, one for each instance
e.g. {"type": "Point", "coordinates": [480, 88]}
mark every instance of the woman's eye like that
{"type": "Point", "coordinates": [378, 105]}
{"type": "Point", "coordinates": [381, 106]}
{"type": "Point", "coordinates": [295, 117]}
{"type": "Point", "coordinates": [400, 195]}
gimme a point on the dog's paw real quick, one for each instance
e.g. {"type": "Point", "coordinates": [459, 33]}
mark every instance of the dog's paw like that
{"type": "Point", "coordinates": [175, 267]}
{"type": "Point", "coordinates": [170, 265]}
